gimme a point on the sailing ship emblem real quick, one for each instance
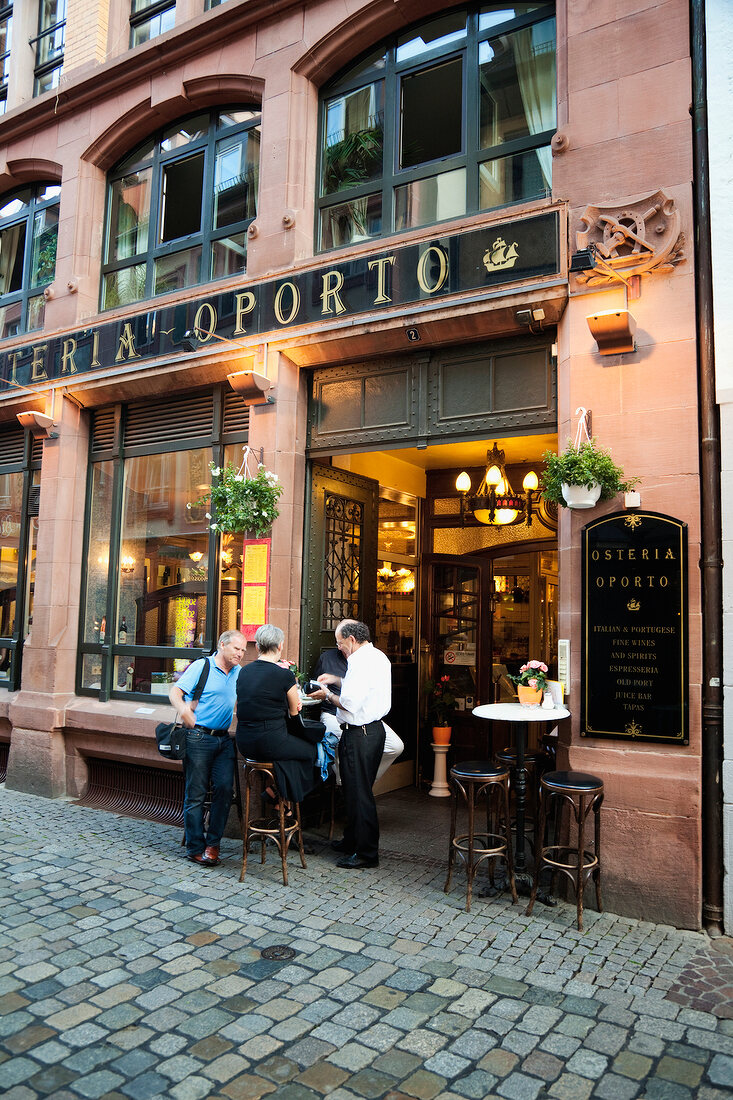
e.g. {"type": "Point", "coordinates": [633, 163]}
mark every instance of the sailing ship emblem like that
{"type": "Point", "coordinates": [499, 256]}
{"type": "Point", "coordinates": [633, 605]}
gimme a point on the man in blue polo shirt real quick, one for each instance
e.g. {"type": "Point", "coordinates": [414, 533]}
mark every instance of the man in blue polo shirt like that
{"type": "Point", "coordinates": [210, 752]}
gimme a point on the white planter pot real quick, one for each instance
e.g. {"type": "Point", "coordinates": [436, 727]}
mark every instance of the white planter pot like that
{"type": "Point", "coordinates": [580, 496]}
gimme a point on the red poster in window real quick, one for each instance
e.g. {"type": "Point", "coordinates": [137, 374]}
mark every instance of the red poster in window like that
{"type": "Point", "coordinates": [255, 585]}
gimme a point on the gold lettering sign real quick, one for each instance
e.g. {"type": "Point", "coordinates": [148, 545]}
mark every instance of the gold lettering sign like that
{"type": "Point", "coordinates": [282, 317]}
{"type": "Point", "coordinates": [127, 344]}
{"type": "Point", "coordinates": [381, 265]}
{"type": "Point", "coordinates": [433, 252]}
{"type": "Point", "coordinates": [38, 370]}
{"type": "Point", "coordinates": [68, 366]}
{"type": "Point", "coordinates": [634, 672]}
{"type": "Point", "coordinates": [332, 283]}
{"type": "Point", "coordinates": [203, 332]}
{"type": "Point", "coordinates": [245, 304]}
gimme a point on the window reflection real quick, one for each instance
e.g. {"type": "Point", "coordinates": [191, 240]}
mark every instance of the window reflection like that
{"type": "Point", "coordinates": [396, 576]}
{"type": "Point", "coordinates": [11, 496]}
{"type": "Point", "coordinates": [163, 566]}
{"type": "Point", "coordinates": [456, 90]}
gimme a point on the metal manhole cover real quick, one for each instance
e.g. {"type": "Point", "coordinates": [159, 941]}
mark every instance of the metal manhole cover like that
{"type": "Point", "coordinates": [278, 951]}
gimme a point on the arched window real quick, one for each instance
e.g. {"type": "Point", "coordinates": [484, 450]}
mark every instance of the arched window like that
{"type": "Point", "coordinates": [178, 207]}
{"type": "Point", "coordinates": [29, 221]}
{"type": "Point", "coordinates": [449, 118]}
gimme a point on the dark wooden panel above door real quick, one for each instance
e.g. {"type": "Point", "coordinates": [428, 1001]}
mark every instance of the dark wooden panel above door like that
{"type": "Point", "coordinates": [444, 395]}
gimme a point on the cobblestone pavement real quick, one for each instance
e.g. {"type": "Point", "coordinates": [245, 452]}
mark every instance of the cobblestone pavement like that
{"type": "Point", "coordinates": [127, 971]}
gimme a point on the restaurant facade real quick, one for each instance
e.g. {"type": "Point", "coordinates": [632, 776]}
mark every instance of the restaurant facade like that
{"type": "Point", "coordinates": [373, 246]}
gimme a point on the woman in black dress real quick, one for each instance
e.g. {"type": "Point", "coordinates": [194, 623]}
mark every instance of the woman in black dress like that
{"type": "Point", "coordinates": [266, 694]}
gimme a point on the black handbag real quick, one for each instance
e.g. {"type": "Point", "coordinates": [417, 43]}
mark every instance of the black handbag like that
{"type": "Point", "coordinates": [306, 728]}
{"type": "Point", "coordinates": [171, 736]}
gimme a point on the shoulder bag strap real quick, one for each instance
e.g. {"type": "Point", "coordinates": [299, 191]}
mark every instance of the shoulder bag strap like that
{"type": "Point", "coordinates": [199, 689]}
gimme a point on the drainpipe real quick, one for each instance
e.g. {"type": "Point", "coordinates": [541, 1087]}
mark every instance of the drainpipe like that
{"type": "Point", "coordinates": [711, 547]}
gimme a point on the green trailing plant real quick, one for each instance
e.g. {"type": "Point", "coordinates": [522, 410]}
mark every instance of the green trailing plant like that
{"type": "Point", "coordinates": [587, 465]}
{"type": "Point", "coordinates": [242, 503]}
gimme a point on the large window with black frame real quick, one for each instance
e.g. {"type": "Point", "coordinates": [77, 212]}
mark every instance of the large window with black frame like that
{"type": "Point", "coordinates": [20, 475]}
{"type": "Point", "coordinates": [179, 206]}
{"type": "Point", "coordinates": [158, 586]}
{"type": "Point", "coordinates": [29, 219]}
{"type": "Point", "coordinates": [6, 40]}
{"type": "Point", "coordinates": [49, 43]}
{"type": "Point", "coordinates": [451, 117]}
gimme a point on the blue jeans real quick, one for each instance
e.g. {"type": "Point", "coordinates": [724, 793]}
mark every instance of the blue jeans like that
{"type": "Point", "coordinates": [209, 760]}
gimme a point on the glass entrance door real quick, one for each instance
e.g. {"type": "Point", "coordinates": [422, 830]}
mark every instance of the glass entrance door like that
{"type": "Point", "coordinates": [523, 616]}
{"type": "Point", "coordinates": [488, 614]}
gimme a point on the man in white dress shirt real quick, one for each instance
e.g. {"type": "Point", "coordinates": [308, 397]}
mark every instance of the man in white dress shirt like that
{"type": "Point", "coordinates": [362, 697]}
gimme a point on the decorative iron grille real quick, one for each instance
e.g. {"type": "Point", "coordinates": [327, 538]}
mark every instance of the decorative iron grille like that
{"type": "Point", "coordinates": [344, 526]}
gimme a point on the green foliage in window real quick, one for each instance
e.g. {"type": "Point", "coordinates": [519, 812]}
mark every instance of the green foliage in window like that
{"type": "Point", "coordinates": [353, 160]}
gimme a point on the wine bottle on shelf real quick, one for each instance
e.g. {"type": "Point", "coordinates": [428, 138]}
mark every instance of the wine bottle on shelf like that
{"type": "Point", "coordinates": [102, 629]}
{"type": "Point", "coordinates": [122, 633]}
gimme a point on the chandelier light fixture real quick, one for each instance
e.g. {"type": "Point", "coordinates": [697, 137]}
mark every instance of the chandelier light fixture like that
{"type": "Point", "coordinates": [495, 502]}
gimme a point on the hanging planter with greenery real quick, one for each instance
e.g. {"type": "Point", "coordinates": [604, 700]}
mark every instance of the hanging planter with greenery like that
{"type": "Point", "coordinates": [241, 502]}
{"type": "Point", "coordinates": [585, 466]}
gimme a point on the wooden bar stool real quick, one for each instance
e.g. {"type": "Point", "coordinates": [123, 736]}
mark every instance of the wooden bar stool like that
{"type": "Point", "coordinates": [584, 795]}
{"type": "Point", "coordinates": [278, 827]}
{"type": "Point", "coordinates": [471, 781]}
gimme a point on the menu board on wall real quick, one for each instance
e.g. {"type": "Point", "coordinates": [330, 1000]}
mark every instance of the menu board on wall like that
{"type": "Point", "coordinates": [634, 674]}
{"type": "Point", "coordinates": [255, 585]}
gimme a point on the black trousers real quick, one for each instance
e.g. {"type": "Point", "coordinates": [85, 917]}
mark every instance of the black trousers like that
{"type": "Point", "coordinates": [360, 752]}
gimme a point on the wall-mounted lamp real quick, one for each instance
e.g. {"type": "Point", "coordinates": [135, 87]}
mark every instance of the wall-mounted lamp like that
{"type": "Point", "coordinates": [39, 424]}
{"type": "Point", "coordinates": [613, 331]}
{"type": "Point", "coordinates": [584, 259]}
{"type": "Point", "coordinates": [495, 502]}
{"type": "Point", "coordinates": [252, 386]}
{"type": "Point", "coordinates": [127, 565]}
{"type": "Point", "coordinates": [196, 556]}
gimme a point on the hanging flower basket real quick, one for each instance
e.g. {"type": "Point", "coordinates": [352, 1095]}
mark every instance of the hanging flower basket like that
{"type": "Point", "coordinates": [240, 501]}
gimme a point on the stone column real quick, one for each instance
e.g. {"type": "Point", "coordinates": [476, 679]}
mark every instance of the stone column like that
{"type": "Point", "coordinates": [37, 756]}
{"type": "Point", "coordinates": [280, 429]}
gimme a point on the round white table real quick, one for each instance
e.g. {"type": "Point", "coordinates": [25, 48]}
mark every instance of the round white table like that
{"type": "Point", "coordinates": [521, 716]}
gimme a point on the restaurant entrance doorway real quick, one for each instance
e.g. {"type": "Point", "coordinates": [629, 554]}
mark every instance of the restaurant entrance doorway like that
{"type": "Point", "coordinates": [486, 614]}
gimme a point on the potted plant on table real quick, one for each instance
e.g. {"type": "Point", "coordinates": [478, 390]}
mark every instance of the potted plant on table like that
{"type": "Point", "coordinates": [531, 683]}
{"type": "Point", "coordinates": [441, 706]}
{"type": "Point", "coordinates": [582, 475]}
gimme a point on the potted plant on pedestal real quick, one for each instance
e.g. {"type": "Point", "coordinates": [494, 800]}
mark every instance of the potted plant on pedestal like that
{"type": "Point", "coordinates": [531, 683]}
{"type": "Point", "coordinates": [582, 475]}
{"type": "Point", "coordinates": [441, 706]}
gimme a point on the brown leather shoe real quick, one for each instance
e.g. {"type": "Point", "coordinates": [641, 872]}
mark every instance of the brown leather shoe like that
{"type": "Point", "coordinates": [211, 855]}
{"type": "Point", "coordinates": [202, 860]}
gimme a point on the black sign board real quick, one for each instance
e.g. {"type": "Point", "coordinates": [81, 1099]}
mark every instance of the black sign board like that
{"type": "Point", "coordinates": [634, 678]}
{"type": "Point", "coordinates": [476, 260]}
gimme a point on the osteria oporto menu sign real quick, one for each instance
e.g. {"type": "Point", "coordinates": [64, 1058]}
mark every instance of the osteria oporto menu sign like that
{"type": "Point", "coordinates": [634, 677]}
